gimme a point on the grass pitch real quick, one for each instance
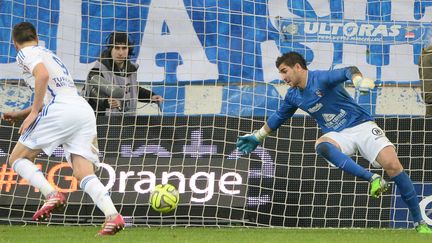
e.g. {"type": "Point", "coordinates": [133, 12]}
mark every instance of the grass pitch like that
{"type": "Point", "coordinates": [83, 234]}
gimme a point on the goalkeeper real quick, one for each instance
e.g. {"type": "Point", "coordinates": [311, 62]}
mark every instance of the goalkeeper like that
{"type": "Point", "coordinates": [347, 127]}
{"type": "Point", "coordinates": [112, 87]}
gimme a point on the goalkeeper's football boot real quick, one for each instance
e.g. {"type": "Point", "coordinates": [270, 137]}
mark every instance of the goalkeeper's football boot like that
{"type": "Point", "coordinates": [54, 203]}
{"type": "Point", "coordinates": [112, 226]}
{"type": "Point", "coordinates": [423, 228]}
{"type": "Point", "coordinates": [378, 186]}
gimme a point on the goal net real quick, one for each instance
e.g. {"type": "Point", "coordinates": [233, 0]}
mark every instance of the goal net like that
{"type": "Point", "coordinates": [213, 62]}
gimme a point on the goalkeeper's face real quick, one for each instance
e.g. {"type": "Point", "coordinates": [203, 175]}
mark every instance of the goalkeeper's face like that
{"type": "Point", "coordinates": [291, 75]}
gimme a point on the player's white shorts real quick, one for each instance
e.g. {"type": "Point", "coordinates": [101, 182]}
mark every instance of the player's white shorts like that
{"type": "Point", "coordinates": [366, 138]}
{"type": "Point", "coordinates": [67, 121]}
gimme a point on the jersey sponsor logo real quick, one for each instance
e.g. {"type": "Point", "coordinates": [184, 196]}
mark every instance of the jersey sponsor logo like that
{"type": "Point", "coordinates": [315, 108]}
{"type": "Point", "coordinates": [328, 117]}
{"type": "Point", "coordinates": [335, 121]}
{"type": "Point", "coordinates": [63, 82]}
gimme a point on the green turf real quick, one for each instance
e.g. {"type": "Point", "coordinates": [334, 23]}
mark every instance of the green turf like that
{"type": "Point", "coordinates": [83, 234]}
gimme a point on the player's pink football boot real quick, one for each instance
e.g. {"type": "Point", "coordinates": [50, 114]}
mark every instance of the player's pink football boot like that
{"type": "Point", "coordinates": [54, 202]}
{"type": "Point", "coordinates": [112, 226]}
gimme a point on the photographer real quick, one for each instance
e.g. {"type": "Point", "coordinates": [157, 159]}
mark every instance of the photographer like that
{"type": "Point", "coordinates": [112, 87]}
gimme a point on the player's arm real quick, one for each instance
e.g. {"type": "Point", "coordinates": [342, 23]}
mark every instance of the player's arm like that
{"type": "Point", "coordinates": [13, 116]}
{"type": "Point", "coordinates": [41, 85]}
{"type": "Point", "coordinates": [362, 83]}
{"type": "Point", "coordinates": [337, 76]}
{"type": "Point", "coordinates": [41, 76]}
{"type": "Point", "coordinates": [248, 143]}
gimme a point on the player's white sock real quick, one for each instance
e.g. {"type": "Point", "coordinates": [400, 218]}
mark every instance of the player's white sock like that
{"type": "Point", "coordinates": [28, 170]}
{"type": "Point", "coordinates": [92, 186]}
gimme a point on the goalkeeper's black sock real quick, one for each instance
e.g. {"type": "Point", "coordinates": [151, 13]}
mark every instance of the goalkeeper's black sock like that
{"type": "Point", "coordinates": [332, 154]}
{"type": "Point", "coordinates": [408, 195]}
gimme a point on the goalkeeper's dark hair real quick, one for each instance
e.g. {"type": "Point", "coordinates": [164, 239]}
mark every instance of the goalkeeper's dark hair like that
{"type": "Point", "coordinates": [23, 32]}
{"type": "Point", "coordinates": [291, 59]}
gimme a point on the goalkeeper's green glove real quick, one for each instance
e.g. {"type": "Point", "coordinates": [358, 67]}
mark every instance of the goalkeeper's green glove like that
{"type": "Point", "coordinates": [364, 85]}
{"type": "Point", "coordinates": [248, 143]}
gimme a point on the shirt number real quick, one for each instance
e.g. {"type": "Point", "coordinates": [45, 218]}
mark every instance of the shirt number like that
{"type": "Point", "coordinates": [65, 70]}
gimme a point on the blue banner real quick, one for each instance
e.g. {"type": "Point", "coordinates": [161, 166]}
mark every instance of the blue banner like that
{"type": "Point", "coordinates": [44, 15]}
{"type": "Point", "coordinates": [355, 31]}
{"type": "Point", "coordinates": [231, 33]}
{"type": "Point", "coordinates": [231, 43]}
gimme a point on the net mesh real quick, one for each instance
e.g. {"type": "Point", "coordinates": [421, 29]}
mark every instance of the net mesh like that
{"type": "Point", "coordinates": [213, 62]}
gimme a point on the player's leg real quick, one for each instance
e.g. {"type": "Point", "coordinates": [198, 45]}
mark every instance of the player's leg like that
{"type": "Point", "coordinates": [83, 170]}
{"type": "Point", "coordinates": [82, 152]}
{"type": "Point", "coordinates": [330, 149]}
{"type": "Point", "coordinates": [21, 161]}
{"type": "Point", "coordinates": [389, 161]}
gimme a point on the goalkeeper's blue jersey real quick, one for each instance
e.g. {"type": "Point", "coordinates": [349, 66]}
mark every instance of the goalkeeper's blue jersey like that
{"type": "Point", "coordinates": [325, 99]}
